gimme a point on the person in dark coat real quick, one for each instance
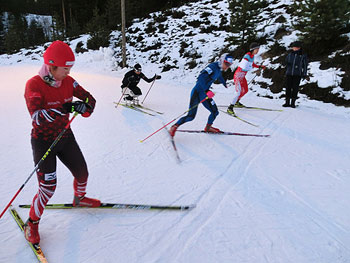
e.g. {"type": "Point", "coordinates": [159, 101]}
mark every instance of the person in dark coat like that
{"type": "Point", "coordinates": [130, 81]}
{"type": "Point", "coordinates": [296, 69]}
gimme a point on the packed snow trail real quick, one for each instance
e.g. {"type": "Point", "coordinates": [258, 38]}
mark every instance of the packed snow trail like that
{"type": "Point", "coordinates": [278, 199]}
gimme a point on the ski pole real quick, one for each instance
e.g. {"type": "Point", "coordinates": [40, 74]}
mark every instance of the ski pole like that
{"type": "Point", "coordinates": [41, 160]}
{"type": "Point", "coordinates": [121, 97]}
{"type": "Point", "coordinates": [252, 80]}
{"type": "Point", "coordinates": [254, 77]}
{"type": "Point", "coordinates": [148, 90]}
{"type": "Point", "coordinates": [175, 119]}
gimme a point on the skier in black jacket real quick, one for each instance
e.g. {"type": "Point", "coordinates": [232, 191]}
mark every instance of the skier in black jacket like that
{"type": "Point", "coordinates": [296, 63]}
{"type": "Point", "coordinates": [129, 86]}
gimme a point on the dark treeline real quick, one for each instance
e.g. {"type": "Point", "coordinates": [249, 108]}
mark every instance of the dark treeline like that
{"type": "Point", "coordinates": [82, 10]}
{"type": "Point", "coordinates": [70, 18]}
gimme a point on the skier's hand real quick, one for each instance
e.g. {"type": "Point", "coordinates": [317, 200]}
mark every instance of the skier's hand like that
{"type": "Point", "coordinates": [77, 106]}
{"type": "Point", "coordinates": [157, 76]}
{"type": "Point", "coordinates": [262, 67]}
{"type": "Point", "coordinates": [210, 94]}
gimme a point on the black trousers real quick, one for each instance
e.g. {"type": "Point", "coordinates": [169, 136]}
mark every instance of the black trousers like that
{"type": "Point", "coordinates": [292, 87]}
{"type": "Point", "coordinates": [67, 150]}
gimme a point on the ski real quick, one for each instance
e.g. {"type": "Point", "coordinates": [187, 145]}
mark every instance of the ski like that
{"type": "Point", "coordinates": [174, 146]}
{"type": "Point", "coordinates": [35, 247]}
{"type": "Point", "coordinates": [251, 108]}
{"type": "Point", "coordinates": [238, 118]}
{"type": "Point", "coordinates": [117, 206]}
{"type": "Point", "coordinates": [225, 133]}
{"type": "Point", "coordinates": [134, 108]}
{"type": "Point", "coordinates": [143, 107]}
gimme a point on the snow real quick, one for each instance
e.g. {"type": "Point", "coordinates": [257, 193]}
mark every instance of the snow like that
{"type": "Point", "coordinates": [278, 199]}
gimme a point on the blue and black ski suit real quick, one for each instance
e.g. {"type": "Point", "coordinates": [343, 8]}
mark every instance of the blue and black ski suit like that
{"type": "Point", "coordinates": [205, 79]}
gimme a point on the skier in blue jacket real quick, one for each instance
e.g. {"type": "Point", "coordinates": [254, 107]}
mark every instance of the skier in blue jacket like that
{"type": "Point", "coordinates": [201, 90]}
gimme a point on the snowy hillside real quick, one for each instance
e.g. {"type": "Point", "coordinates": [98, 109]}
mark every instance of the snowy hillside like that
{"type": "Point", "coordinates": [282, 199]}
{"type": "Point", "coordinates": [179, 42]}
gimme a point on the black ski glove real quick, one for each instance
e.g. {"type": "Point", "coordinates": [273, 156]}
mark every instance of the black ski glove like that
{"type": "Point", "coordinates": [77, 106]}
{"type": "Point", "coordinates": [157, 76]}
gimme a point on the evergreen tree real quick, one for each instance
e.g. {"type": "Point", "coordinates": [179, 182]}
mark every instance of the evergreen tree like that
{"type": "Point", "coordinates": [98, 31]}
{"type": "Point", "coordinates": [35, 34]}
{"type": "Point", "coordinates": [58, 31]}
{"type": "Point", "coordinates": [73, 28]}
{"type": "Point", "coordinates": [2, 35]}
{"type": "Point", "coordinates": [113, 12]}
{"type": "Point", "coordinates": [322, 22]}
{"type": "Point", "coordinates": [16, 36]}
{"type": "Point", "coordinates": [244, 19]}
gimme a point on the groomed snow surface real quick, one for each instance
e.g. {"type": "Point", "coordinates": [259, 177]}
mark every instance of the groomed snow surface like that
{"type": "Point", "coordinates": [283, 199]}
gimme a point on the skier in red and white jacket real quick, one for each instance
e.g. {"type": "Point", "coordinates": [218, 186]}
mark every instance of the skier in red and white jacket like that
{"type": "Point", "coordinates": [49, 98]}
{"type": "Point", "coordinates": [241, 85]}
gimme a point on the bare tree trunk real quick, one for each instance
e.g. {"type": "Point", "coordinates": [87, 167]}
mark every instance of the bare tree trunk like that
{"type": "Point", "coordinates": [64, 16]}
{"type": "Point", "coordinates": [123, 33]}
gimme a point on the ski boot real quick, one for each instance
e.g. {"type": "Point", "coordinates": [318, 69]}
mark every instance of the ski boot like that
{"type": "Point", "coordinates": [136, 101]}
{"type": "Point", "coordinates": [173, 130]}
{"type": "Point", "coordinates": [86, 202]}
{"type": "Point", "coordinates": [128, 100]}
{"type": "Point", "coordinates": [230, 110]}
{"type": "Point", "coordinates": [239, 105]}
{"type": "Point", "coordinates": [31, 231]}
{"type": "Point", "coordinates": [211, 129]}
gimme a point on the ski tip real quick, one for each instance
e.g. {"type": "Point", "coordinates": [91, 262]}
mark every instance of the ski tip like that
{"type": "Point", "coordinates": [189, 207]}
{"type": "Point", "coordinates": [141, 141]}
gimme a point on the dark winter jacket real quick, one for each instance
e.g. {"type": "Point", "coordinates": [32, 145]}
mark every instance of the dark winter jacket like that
{"type": "Point", "coordinates": [131, 79]}
{"type": "Point", "coordinates": [296, 63]}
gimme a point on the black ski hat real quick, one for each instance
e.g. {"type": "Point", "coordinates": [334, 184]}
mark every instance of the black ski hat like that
{"type": "Point", "coordinates": [138, 67]}
{"type": "Point", "coordinates": [253, 46]}
{"type": "Point", "coordinates": [296, 44]}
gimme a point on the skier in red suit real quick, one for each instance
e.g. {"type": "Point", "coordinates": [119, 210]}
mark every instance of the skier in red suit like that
{"type": "Point", "coordinates": [49, 98]}
{"type": "Point", "coordinates": [241, 85]}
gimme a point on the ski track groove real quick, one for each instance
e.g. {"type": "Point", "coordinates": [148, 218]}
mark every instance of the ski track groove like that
{"type": "Point", "coordinates": [204, 220]}
{"type": "Point", "coordinates": [304, 203]}
{"type": "Point", "coordinates": [229, 186]}
{"type": "Point", "coordinates": [315, 211]}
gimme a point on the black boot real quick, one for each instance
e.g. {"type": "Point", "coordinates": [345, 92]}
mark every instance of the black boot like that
{"type": "Point", "coordinates": [287, 104]}
{"type": "Point", "coordinates": [293, 103]}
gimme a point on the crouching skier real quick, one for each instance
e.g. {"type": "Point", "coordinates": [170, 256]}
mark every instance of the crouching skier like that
{"type": "Point", "coordinates": [201, 90]}
{"type": "Point", "coordinates": [49, 97]}
{"type": "Point", "coordinates": [130, 90]}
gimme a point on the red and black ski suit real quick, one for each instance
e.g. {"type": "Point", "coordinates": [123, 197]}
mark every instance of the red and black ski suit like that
{"type": "Point", "coordinates": [44, 103]}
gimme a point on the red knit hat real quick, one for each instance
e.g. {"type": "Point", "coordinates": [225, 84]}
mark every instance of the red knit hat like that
{"type": "Point", "coordinates": [59, 54]}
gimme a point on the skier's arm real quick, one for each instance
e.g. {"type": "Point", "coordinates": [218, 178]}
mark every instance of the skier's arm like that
{"type": "Point", "coordinates": [222, 81]}
{"type": "Point", "coordinates": [126, 79]}
{"type": "Point", "coordinates": [147, 79]}
{"type": "Point", "coordinates": [305, 64]}
{"type": "Point", "coordinates": [34, 100]}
